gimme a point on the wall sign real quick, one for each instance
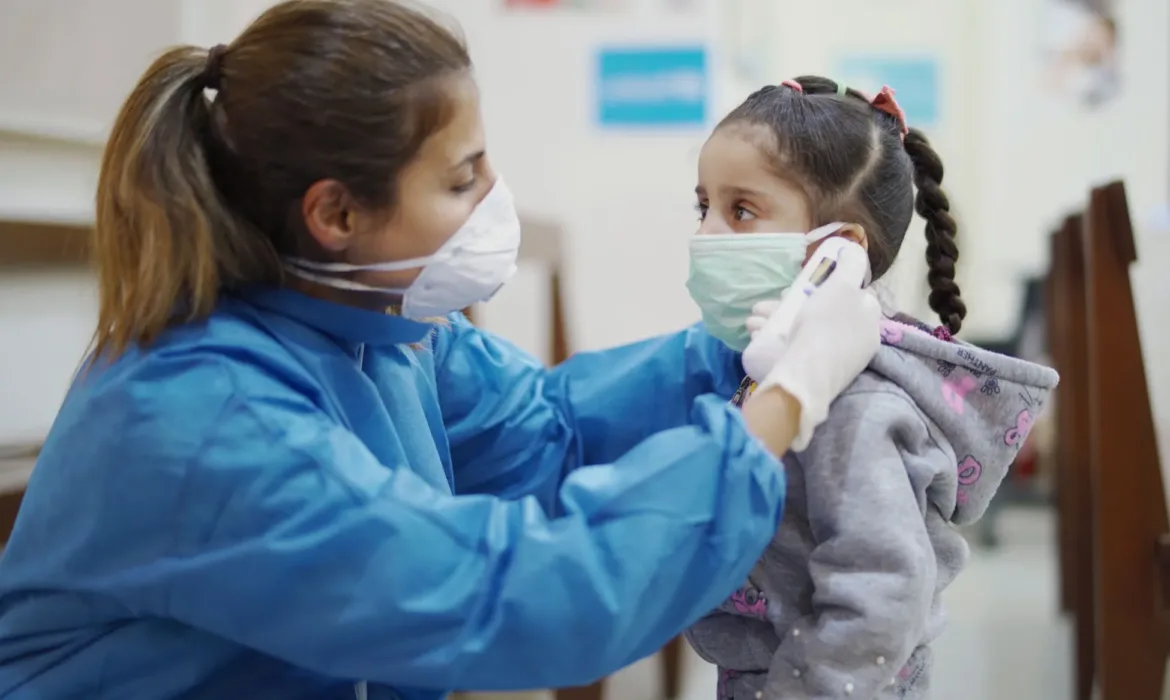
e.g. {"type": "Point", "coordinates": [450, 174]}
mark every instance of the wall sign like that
{"type": "Point", "coordinates": [649, 87]}
{"type": "Point", "coordinates": [914, 79]}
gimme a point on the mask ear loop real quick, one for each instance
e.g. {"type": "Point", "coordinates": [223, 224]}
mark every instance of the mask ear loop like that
{"type": "Point", "coordinates": [396, 266]}
{"type": "Point", "coordinates": [822, 232]}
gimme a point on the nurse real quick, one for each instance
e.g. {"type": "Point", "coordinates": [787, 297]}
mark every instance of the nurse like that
{"type": "Point", "coordinates": [264, 484]}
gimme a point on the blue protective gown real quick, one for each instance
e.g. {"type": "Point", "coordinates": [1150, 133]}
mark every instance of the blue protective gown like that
{"type": "Point", "coordinates": [290, 497]}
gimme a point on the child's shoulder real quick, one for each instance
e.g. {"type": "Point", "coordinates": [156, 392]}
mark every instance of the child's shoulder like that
{"type": "Point", "coordinates": [875, 414]}
{"type": "Point", "coordinates": [874, 395]}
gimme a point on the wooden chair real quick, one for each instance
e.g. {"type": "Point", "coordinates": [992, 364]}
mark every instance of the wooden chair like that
{"type": "Point", "coordinates": [16, 464]}
{"type": "Point", "coordinates": [1131, 553]}
{"type": "Point", "coordinates": [31, 246]}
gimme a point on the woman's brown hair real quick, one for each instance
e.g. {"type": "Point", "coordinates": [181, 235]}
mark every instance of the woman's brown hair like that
{"type": "Point", "coordinates": [210, 155]}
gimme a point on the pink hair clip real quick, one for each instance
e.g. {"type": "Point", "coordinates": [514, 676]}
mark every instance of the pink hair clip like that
{"type": "Point", "coordinates": [885, 102]}
{"type": "Point", "coordinates": [792, 84]}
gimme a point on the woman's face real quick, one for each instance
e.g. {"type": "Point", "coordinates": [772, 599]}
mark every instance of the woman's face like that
{"type": "Point", "coordinates": [437, 192]}
{"type": "Point", "coordinates": [738, 192]}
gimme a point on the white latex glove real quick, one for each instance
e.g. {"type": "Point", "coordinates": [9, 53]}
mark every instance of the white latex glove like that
{"type": "Point", "coordinates": [832, 340]}
{"type": "Point", "coordinates": [762, 354]}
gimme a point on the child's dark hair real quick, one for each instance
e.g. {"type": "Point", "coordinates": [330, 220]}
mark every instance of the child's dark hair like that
{"type": "Point", "coordinates": [853, 165]}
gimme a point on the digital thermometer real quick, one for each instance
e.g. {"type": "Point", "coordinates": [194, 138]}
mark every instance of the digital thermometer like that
{"type": "Point", "coordinates": [774, 334]}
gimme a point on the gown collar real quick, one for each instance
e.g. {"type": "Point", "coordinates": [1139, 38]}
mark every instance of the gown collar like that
{"type": "Point", "coordinates": [346, 323]}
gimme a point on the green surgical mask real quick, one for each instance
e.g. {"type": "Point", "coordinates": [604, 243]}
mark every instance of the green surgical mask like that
{"type": "Point", "coordinates": [731, 273]}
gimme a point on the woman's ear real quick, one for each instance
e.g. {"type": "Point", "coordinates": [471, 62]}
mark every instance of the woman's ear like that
{"type": "Point", "coordinates": [328, 214]}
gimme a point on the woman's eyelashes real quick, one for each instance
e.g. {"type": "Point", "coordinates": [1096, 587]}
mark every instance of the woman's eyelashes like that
{"type": "Point", "coordinates": [465, 186]}
{"type": "Point", "coordinates": [701, 208]}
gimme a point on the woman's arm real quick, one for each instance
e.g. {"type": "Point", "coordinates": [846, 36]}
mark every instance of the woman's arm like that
{"type": "Point", "coordinates": [517, 428]}
{"type": "Point", "coordinates": [296, 542]}
{"type": "Point", "coordinates": [873, 568]}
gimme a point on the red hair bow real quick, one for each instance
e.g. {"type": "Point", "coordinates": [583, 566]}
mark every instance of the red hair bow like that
{"type": "Point", "coordinates": [884, 101]}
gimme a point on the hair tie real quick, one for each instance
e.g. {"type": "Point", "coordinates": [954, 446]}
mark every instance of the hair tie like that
{"type": "Point", "coordinates": [842, 90]}
{"type": "Point", "coordinates": [885, 102]}
{"type": "Point", "coordinates": [213, 68]}
{"type": "Point", "coordinates": [792, 84]}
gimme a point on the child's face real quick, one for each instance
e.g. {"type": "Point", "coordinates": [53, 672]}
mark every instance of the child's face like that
{"type": "Point", "coordinates": [738, 193]}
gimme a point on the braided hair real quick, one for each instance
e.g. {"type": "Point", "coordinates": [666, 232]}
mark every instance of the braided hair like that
{"type": "Point", "coordinates": [856, 163]}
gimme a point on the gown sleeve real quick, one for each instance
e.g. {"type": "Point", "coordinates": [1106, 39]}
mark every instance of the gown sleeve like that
{"type": "Point", "coordinates": [296, 541]}
{"type": "Point", "coordinates": [518, 428]}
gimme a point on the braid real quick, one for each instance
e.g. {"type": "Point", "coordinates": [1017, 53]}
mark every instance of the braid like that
{"type": "Point", "coordinates": [941, 251]}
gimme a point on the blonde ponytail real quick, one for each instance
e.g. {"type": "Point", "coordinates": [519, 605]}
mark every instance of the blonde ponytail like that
{"type": "Point", "coordinates": [164, 237]}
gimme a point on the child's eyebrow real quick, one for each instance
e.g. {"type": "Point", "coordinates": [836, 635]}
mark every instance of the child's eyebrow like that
{"type": "Point", "coordinates": [732, 192]}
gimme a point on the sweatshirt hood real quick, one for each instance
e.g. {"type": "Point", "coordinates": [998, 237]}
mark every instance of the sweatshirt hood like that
{"type": "Point", "coordinates": [983, 402]}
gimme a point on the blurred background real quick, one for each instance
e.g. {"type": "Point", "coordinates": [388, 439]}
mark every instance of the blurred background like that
{"type": "Point", "coordinates": [596, 110]}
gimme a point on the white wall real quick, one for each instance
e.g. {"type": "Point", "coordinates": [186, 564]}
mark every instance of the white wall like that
{"type": "Point", "coordinates": [625, 200]}
{"type": "Point", "coordinates": [1015, 159]}
{"type": "Point", "coordinates": [46, 320]}
{"type": "Point", "coordinates": [77, 60]}
{"type": "Point", "coordinates": [1036, 156]}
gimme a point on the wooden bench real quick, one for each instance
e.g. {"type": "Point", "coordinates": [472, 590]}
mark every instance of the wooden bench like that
{"type": "Point", "coordinates": [1068, 331]}
{"type": "Point", "coordinates": [1115, 547]}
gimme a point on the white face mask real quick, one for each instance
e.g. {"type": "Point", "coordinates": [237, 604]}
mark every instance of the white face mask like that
{"type": "Point", "coordinates": [469, 268]}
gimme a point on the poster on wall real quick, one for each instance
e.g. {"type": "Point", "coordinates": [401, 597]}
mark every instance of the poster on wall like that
{"type": "Point", "coordinates": [915, 79]}
{"type": "Point", "coordinates": [1079, 51]}
{"type": "Point", "coordinates": [652, 87]}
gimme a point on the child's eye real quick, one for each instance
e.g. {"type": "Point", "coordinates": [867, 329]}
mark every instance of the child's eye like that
{"type": "Point", "coordinates": [702, 210]}
{"type": "Point", "coordinates": [742, 214]}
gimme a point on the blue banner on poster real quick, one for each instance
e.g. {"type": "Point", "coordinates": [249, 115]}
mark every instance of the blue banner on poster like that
{"type": "Point", "coordinates": [914, 79]}
{"type": "Point", "coordinates": [652, 87]}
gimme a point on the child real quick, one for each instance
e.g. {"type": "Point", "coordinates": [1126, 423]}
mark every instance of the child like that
{"type": "Point", "coordinates": [845, 601]}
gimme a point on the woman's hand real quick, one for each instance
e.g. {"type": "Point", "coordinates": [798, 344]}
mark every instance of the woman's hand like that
{"type": "Point", "coordinates": [773, 416]}
{"type": "Point", "coordinates": [831, 342]}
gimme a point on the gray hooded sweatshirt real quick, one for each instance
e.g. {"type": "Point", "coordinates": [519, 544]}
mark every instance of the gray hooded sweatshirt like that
{"type": "Point", "coordinates": [845, 601]}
